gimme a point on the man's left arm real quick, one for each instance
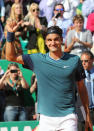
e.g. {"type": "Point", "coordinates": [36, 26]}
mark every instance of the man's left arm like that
{"type": "Point", "coordinates": [84, 99]}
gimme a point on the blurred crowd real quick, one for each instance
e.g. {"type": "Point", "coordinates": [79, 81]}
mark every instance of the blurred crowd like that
{"type": "Point", "coordinates": [32, 17]}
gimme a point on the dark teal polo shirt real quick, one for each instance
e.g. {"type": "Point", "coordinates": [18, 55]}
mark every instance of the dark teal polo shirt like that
{"type": "Point", "coordinates": [56, 82]}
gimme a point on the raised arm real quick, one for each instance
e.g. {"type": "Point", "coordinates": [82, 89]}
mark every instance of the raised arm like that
{"type": "Point", "coordinates": [3, 79]}
{"type": "Point", "coordinates": [34, 86]}
{"type": "Point", "coordinates": [84, 98]}
{"type": "Point", "coordinates": [10, 49]}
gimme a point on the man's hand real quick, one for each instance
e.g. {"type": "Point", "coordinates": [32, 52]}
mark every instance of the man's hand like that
{"type": "Point", "coordinates": [7, 73]}
{"type": "Point", "coordinates": [20, 74]}
{"type": "Point", "coordinates": [74, 39]}
{"type": "Point", "coordinates": [13, 26]}
{"type": "Point", "coordinates": [26, 24]}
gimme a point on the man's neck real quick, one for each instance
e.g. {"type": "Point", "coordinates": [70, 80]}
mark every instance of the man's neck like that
{"type": "Point", "coordinates": [55, 55]}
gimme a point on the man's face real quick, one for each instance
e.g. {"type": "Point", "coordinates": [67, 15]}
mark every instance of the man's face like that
{"type": "Point", "coordinates": [59, 9]}
{"type": "Point", "coordinates": [53, 42]}
{"type": "Point", "coordinates": [78, 24]}
{"type": "Point", "coordinates": [87, 62]}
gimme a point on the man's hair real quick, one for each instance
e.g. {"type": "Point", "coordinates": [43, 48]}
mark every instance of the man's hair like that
{"type": "Point", "coordinates": [59, 4]}
{"type": "Point", "coordinates": [89, 53]}
{"type": "Point", "coordinates": [54, 30]}
{"type": "Point", "coordinates": [78, 18]}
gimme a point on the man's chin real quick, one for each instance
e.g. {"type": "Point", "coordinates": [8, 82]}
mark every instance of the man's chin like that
{"type": "Point", "coordinates": [53, 50]}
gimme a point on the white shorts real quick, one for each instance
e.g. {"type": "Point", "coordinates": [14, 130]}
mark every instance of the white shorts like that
{"type": "Point", "coordinates": [66, 123]}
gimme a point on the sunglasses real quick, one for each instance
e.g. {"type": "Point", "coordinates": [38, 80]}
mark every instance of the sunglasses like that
{"type": "Point", "coordinates": [59, 9]}
{"type": "Point", "coordinates": [35, 10]}
{"type": "Point", "coordinates": [86, 61]}
{"type": "Point", "coordinates": [13, 71]}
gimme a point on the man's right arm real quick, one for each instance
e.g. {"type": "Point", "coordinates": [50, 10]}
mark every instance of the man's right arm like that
{"type": "Point", "coordinates": [11, 54]}
{"type": "Point", "coordinates": [10, 49]}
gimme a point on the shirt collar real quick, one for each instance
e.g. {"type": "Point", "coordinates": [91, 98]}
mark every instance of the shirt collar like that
{"type": "Point", "coordinates": [91, 71]}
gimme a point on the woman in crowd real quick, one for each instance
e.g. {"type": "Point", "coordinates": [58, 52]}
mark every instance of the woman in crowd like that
{"type": "Point", "coordinates": [13, 83]}
{"type": "Point", "coordinates": [37, 26]}
{"type": "Point", "coordinates": [16, 17]}
{"type": "Point", "coordinates": [78, 39]}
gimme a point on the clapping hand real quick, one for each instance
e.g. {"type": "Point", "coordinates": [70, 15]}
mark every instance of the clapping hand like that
{"type": "Point", "coordinates": [74, 40]}
{"type": "Point", "coordinates": [13, 26]}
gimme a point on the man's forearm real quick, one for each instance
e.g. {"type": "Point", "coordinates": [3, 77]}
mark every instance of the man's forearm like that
{"type": "Point", "coordinates": [86, 44]}
{"type": "Point", "coordinates": [84, 96]}
{"type": "Point", "coordinates": [10, 51]}
{"type": "Point", "coordinates": [70, 46]}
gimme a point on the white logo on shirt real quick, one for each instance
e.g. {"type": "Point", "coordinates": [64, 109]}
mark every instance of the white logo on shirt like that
{"type": "Point", "coordinates": [66, 66]}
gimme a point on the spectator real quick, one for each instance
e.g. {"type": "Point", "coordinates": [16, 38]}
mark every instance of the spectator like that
{"type": "Point", "coordinates": [87, 59]}
{"type": "Point", "coordinates": [78, 39]}
{"type": "Point", "coordinates": [90, 26]}
{"type": "Point", "coordinates": [13, 83]}
{"type": "Point", "coordinates": [47, 6]}
{"type": "Point", "coordinates": [57, 74]}
{"type": "Point", "coordinates": [87, 8]}
{"type": "Point", "coordinates": [16, 17]}
{"type": "Point", "coordinates": [2, 7]}
{"type": "Point", "coordinates": [37, 27]}
{"type": "Point", "coordinates": [90, 22]}
{"type": "Point", "coordinates": [58, 20]}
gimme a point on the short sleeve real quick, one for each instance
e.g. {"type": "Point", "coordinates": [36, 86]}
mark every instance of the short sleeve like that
{"type": "Point", "coordinates": [89, 37]}
{"type": "Point", "coordinates": [80, 73]}
{"type": "Point", "coordinates": [28, 64]}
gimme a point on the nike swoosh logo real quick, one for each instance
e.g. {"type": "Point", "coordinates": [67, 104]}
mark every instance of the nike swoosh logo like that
{"type": "Point", "coordinates": [66, 66]}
